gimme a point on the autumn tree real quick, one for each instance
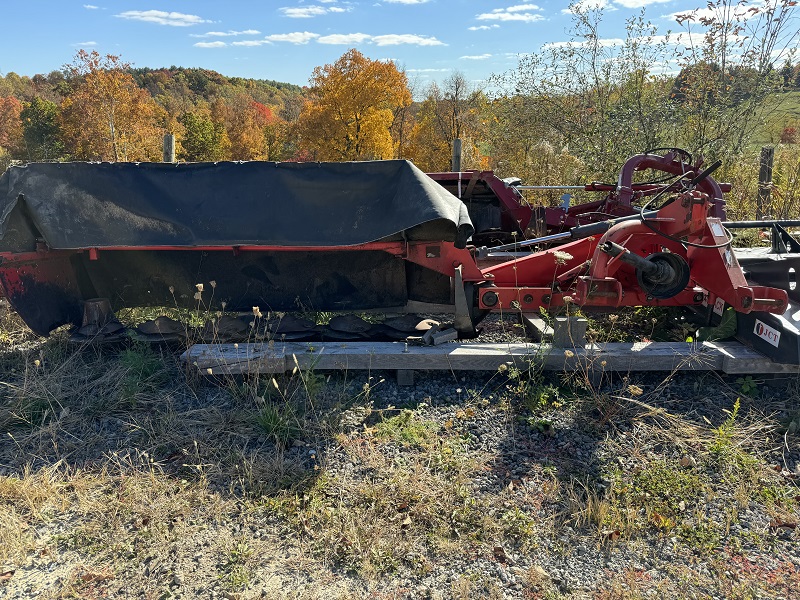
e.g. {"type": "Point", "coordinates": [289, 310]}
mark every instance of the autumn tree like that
{"type": "Point", "coordinates": [449, 112]}
{"type": "Point", "coordinates": [11, 125]}
{"type": "Point", "coordinates": [276, 140]}
{"type": "Point", "coordinates": [351, 108]}
{"type": "Point", "coordinates": [245, 120]}
{"type": "Point", "coordinates": [107, 116]}
{"type": "Point", "coordinates": [41, 131]}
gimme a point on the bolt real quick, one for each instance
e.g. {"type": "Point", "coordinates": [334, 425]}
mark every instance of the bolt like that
{"type": "Point", "coordinates": [527, 298]}
{"type": "Point", "coordinates": [546, 299]}
{"type": "Point", "coordinates": [699, 296]}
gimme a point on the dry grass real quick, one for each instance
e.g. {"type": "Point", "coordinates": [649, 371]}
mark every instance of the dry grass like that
{"type": "Point", "coordinates": [124, 474]}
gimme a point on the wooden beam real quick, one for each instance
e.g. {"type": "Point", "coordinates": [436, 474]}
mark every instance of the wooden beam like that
{"type": "Point", "coordinates": [729, 357]}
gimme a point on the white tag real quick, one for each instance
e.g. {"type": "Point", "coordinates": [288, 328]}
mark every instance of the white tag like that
{"type": "Point", "coordinates": [719, 306]}
{"type": "Point", "coordinates": [717, 229]}
{"type": "Point", "coordinates": [767, 333]}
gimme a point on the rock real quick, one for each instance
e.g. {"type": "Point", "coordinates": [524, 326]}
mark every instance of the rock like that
{"type": "Point", "coordinates": [539, 572]}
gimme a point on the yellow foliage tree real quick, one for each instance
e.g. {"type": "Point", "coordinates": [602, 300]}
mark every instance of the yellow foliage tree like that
{"type": "Point", "coordinates": [107, 116]}
{"type": "Point", "coordinates": [351, 109]}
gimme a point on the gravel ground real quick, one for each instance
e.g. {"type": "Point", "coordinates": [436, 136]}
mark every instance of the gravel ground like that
{"type": "Point", "coordinates": [465, 485]}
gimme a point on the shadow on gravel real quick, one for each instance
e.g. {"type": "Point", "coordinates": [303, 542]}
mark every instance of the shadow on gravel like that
{"type": "Point", "coordinates": [476, 484]}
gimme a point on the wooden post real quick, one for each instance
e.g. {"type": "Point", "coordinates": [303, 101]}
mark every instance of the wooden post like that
{"type": "Point", "coordinates": [764, 180]}
{"type": "Point", "coordinates": [169, 148]}
{"type": "Point", "coordinates": [455, 164]}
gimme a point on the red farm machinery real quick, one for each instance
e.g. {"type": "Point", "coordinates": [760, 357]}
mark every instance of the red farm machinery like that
{"type": "Point", "coordinates": [383, 235]}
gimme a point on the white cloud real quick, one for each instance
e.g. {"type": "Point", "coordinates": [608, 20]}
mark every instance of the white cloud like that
{"type": "Point", "coordinates": [639, 3]}
{"type": "Point", "coordinates": [519, 12]}
{"type": "Point", "coordinates": [603, 43]}
{"type": "Point", "coordinates": [297, 37]}
{"type": "Point", "coordinates": [476, 57]}
{"type": "Point", "coordinates": [406, 1]}
{"type": "Point", "coordinates": [427, 70]}
{"type": "Point", "coordinates": [522, 8]}
{"type": "Point", "coordinates": [90, 7]}
{"type": "Point", "coordinates": [251, 43]}
{"type": "Point", "coordinates": [307, 12]}
{"type": "Point", "coordinates": [344, 38]}
{"type": "Point", "coordinates": [303, 37]}
{"type": "Point", "coordinates": [680, 39]}
{"type": "Point", "coordinates": [225, 33]}
{"type": "Point", "coordinates": [395, 39]}
{"type": "Point", "coordinates": [483, 27]}
{"type": "Point", "coordinates": [210, 45]}
{"type": "Point", "coordinates": [303, 12]}
{"type": "Point", "coordinates": [160, 17]}
{"type": "Point", "coordinates": [85, 44]}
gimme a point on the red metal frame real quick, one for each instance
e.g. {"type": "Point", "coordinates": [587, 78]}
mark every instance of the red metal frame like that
{"type": "Point", "coordinates": [581, 272]}
{"type": "Point", "coordinates": [620, 198]}
{"type": "Point", "coordinates": [518, 215]}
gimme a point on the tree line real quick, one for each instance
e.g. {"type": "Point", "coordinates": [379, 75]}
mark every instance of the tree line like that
{"type": "Point", "coordinates": [567, 113]}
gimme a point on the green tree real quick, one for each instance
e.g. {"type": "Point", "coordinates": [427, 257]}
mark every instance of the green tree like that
{"type": "Point", "coordinates": [449, 112]}
{"type": "Point", "coordinates": [203, 140]}
{"type": "Point", "coordinates": [41, 131]}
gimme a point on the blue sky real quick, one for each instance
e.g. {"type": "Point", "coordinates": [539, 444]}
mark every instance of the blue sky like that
{"type": "Point", "coordinates": [284, 40]}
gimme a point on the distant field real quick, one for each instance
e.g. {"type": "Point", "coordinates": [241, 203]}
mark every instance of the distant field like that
{"type": "Point", "coordinates": [782, 110]}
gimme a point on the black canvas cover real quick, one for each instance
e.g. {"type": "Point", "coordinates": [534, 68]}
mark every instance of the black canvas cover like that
{"type": "Point", "coordinates": [96, 205]}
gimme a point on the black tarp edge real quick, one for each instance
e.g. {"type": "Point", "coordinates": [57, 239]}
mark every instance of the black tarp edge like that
{"type": "Point", "coordinates": [80, 205]}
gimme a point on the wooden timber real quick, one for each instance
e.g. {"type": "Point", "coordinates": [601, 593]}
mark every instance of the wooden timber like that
{"type": "Point", "coordinates": [279, 357]}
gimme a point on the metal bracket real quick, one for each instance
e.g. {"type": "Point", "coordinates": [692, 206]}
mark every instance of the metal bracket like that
{"type": "Point", "coordinates": [463, 318]}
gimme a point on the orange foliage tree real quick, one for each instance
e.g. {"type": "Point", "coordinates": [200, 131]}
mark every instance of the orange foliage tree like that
{"type": "Point", "coordinates": [108, 116]}
{"type": "Point", "coordinates": [254, 131]}
{"type": "Point", "coordinates": [11, 125]}
{"type": "Point", "coordinates": [351, 108]}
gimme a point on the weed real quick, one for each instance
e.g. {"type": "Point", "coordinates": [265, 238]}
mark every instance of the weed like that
{"type": "Point", "coordinates": [659, 494]}
{"type": "Point", "coordinates": [724, 435]}
{"type": "Point", "coordinates": [280, 422]}
{"type": "Point", "coordinates": [406, 429]}
{"type": "Point", "coordinates": [528, 385]}
{"type": "Point", "coordinates": [235, 572]}
{"type": "Point", "coordinates": [747, 385]}
{"type": "Point", "coordinates": [144, 371]}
